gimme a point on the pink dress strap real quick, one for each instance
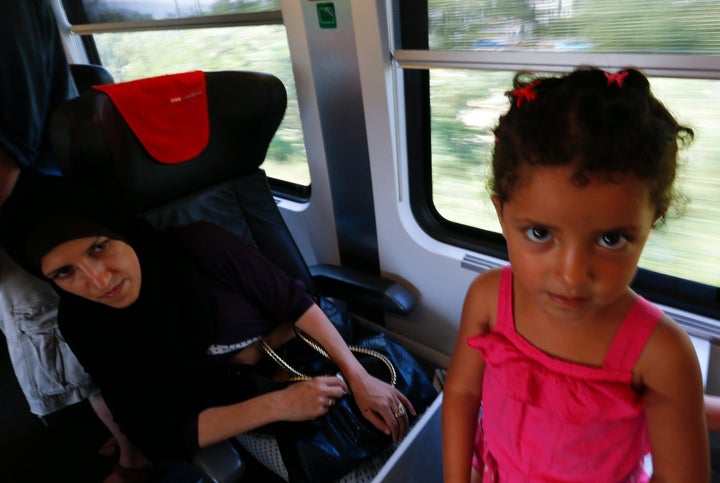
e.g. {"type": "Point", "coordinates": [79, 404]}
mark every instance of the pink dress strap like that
{"type": "Point", "coordinates": [504, 317]}
{"type": "Point", "coordinates": [633, 334]}
{"type": "Point", "coordinates": [627, 344]}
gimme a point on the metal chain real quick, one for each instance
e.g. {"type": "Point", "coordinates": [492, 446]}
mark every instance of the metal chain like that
{"type": "Point", "coordinates": [299, 376]}
{"type": "Point", "coordinates": [359, 350]}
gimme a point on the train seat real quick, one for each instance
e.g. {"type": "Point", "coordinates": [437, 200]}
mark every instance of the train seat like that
{"type": "Point", "coordinates": [223, 184]}
{"type": "Point", "coordinates": [88, 75]}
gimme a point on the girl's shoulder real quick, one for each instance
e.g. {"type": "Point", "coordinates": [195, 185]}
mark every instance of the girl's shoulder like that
{"type": "Point", "coordinates": [669, 339]}
{"type": "Point", "coordinates": [668, 354]}
{"type": "Point", "coordinates": [489, 280]}
{"type": "Point", "coordinates": [481, 300]}
{"type": "Point", "coordinates": [485, 285]}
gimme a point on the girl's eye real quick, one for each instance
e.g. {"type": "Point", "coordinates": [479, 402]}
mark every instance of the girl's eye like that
{"type": "Point", "coordinates": [538, 234]}
{"type": "Point", "coordinates": [613, 241]}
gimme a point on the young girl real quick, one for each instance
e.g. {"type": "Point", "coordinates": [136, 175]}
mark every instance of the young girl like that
{"type": "Point", "coordinates": [578, 377]}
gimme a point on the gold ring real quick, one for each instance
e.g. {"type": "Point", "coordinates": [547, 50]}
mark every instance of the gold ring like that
{"type": "Point", "coordinates": [332, 401]}
{"type": "Point", "coordinates": [400, 411]}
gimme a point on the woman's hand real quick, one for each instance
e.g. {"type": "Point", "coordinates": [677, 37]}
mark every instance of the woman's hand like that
{"type": "Point", "coordinates": [381, 404]}
{"type": "Point", "coordinates": [384, 406]}
{"type": "Point", "coordinates": [298, 402]}
{"type": "Point", "coordinates": [311, 399]}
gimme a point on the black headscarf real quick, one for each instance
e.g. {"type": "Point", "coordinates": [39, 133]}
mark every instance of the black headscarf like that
{"type": "Point", "coordinates": [148, 358]}
{"type": "Point", "coordinates": [50, 232]}
{"type": "Point", "coordinates": [171, 301]}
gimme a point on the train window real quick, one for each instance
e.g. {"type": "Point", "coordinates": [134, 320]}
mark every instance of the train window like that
{"type": "Point", "coordinates": [677, 26]}
{"type": "Point", "coordinates": [135, 40]}
{"type": "Point", "coordinates": [458, 59]}
{"type": "Point", "coordinates": [101, 11]}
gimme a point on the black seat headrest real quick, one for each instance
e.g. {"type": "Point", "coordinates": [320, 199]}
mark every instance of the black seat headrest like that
{"type": "Point", "coordinates": [88, 75]}
{"type": "Point", "coordinates": [94, 144]}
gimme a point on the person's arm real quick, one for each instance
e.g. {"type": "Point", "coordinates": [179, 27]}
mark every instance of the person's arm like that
{"type": "Point", "coordinates": [670, 374]}
{"type": "Point", "coordinates": [298, 402]}
{"type": "Point", "coordinates": [712, 412]}
{"type": "Point", "coordinates": [377, 400]}
{"type": "Point", "coordinates": [462, 393]}
{"type": "Point", "coordinates": [241, 267]}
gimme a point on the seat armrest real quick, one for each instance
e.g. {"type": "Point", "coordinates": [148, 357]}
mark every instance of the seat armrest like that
{"type": "Point", "coordinates": [359, 288]}
{"type": "Point", "coordinates": [220, 463]}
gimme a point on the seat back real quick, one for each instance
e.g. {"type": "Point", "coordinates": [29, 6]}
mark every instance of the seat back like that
{"type": "Point", "coordinates": [223, 184]}
{"type": "Point", "coordinates": [88, 75]}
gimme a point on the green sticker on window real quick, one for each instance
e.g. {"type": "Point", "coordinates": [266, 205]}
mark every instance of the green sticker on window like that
{"type": "Point", "coordinates": [326, 15]}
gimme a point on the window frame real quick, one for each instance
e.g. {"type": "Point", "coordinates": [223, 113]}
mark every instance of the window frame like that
{"type": "Point", "coordinates": [85, 31]}
{"type": "Point", "coordinates": [411, 23]}
{"type": "Point", "coordinates": [272, 17]}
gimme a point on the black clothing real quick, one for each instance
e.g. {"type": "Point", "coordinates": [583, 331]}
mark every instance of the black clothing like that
{"type": "Point", "coordinates": [35, 79]}
{"type": "Point", "coordinates": [201, 285]}
{"type": "Point", "coordinates": [150, 360]}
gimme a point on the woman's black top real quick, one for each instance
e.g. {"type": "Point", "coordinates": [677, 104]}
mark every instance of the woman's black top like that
{"type": "Point", "coordinates": [151, 359]}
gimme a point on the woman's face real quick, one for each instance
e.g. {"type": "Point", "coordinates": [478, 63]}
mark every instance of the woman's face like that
{"type": "Point", "coordinates": [100, 269]}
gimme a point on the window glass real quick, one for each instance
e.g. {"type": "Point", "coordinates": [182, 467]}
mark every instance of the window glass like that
{"type": "Point", "coordinates": [465, 106]}
{"type": "Point", "coordinates": [133, 55]}
{"type": "Point", "coordinates": [99, 11]}
{"type": "Point", "coordinates": [647, 26]}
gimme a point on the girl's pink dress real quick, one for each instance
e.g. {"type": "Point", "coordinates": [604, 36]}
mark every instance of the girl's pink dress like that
{"type": "Point", "coordinates": [549, 420]}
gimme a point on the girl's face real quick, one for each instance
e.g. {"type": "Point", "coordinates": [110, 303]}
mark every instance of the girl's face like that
{"type": "Point", "coordinates": [574, 249]}
{"type": "Point", "coordinates": [100, 269]}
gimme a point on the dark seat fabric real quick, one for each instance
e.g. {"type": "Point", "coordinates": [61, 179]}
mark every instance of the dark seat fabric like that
{"type": "Point", "coordinates": [94, 143]}
{"type": "Point", "coordinates": [87, 75]}
{"type": "Point", "coordinates": [222, 184]}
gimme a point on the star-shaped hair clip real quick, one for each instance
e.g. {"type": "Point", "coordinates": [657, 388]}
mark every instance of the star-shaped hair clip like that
{"type": "Point", "coordinates": [525, 93]}
{"type": "Point", "coordinates": [616, 78]}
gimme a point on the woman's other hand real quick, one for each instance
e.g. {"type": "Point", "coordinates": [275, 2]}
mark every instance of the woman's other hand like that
{"type": "Point", "coordinates": [381, 404]}
{"type": "Point", "coordinates": [384, 406]}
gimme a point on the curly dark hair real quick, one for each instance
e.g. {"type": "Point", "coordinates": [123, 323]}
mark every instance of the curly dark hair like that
{"type": "Point", "coordinates": [601, 124]}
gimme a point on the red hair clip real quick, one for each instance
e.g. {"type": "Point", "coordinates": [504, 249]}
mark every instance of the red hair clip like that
{"type": "Point", "coordinates": [525, 93]}
{"type": "Point", "coordinates": [616, 78]}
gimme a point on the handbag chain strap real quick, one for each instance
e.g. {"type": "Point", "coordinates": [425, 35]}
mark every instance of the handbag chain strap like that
{"type": "Point", "coordinates": [299, 376]}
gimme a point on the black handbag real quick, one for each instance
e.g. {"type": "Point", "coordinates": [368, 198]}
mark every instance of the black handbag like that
{"type": "Point", "coordinates": [326, 448]}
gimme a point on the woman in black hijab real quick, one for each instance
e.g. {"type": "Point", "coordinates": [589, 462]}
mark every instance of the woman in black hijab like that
{"type": "Point", "coordinates": [155, 316]}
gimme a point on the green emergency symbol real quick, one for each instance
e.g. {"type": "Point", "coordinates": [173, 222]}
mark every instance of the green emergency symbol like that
{"type": "Point", "coordinates": [326, 15]}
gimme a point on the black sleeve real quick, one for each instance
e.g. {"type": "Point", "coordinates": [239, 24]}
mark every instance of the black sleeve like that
{"type": "Point", "coordinates": [238, 264]}
{"type": "Point", "coordinates": [35, 80]}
